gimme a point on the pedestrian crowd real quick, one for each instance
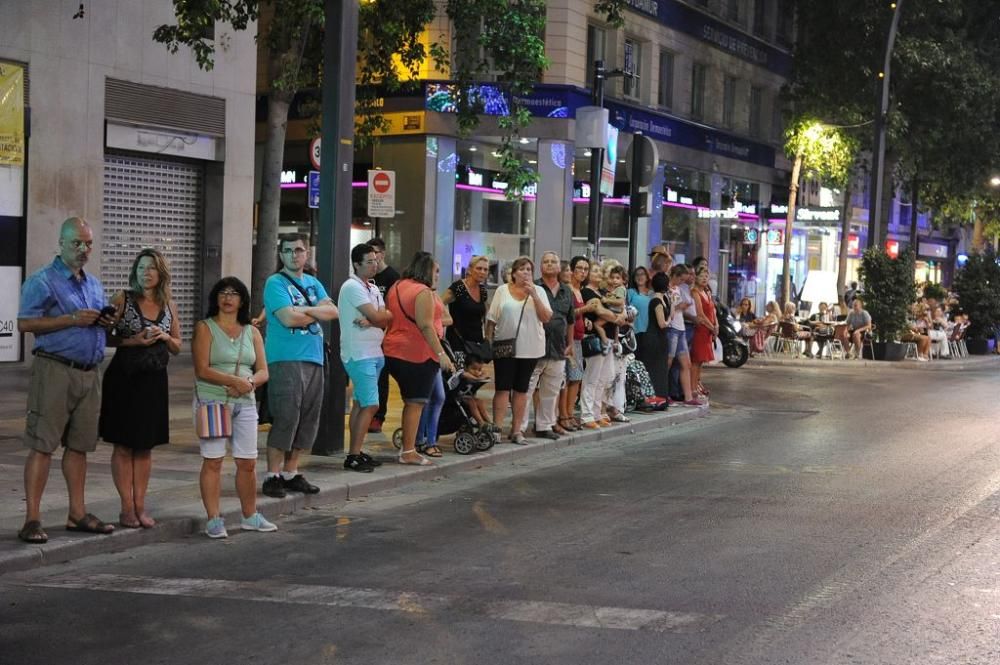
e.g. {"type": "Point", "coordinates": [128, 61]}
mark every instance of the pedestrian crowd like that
{"type": "Point", "coordinates": [567, 336]}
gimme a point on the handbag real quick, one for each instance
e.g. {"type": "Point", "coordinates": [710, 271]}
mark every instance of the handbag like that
{"type": "Point", "coordinates": [214, 420]}
{"type": "Point", "coordinates": [507, 348]}
{"type": "Point", "coordinates": [591, 345]}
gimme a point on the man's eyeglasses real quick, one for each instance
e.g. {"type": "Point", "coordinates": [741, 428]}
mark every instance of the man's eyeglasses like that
{"type": "Point", "coordinates": [77, 244]}
{"type": "Point", "coordinates": [297, 251]}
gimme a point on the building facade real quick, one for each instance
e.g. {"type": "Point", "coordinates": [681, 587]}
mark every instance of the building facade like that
{"type": "Point", "coordinates": [152, 150]}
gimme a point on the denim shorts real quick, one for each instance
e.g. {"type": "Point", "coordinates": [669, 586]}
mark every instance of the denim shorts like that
{"type": "Point", "coordinates": [676, 343]}
{"type": "Point", "coordinates": [364, 375]}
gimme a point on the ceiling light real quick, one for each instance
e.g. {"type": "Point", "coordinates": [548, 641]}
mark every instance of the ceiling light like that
{"type": "Point", "coordinates": [525, 141]}
{"type": "Point", "coordinates": [473, 148]}
{"type": "Point", "coordinates": [587, 153]}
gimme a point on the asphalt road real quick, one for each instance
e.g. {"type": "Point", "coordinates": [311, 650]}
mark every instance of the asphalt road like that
{"type": "Point", "coordinates": [827, 515]}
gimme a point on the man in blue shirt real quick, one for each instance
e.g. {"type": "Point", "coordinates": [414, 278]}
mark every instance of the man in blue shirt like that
{"type": "Point", "coordinates": [62, 306]}
{"type": "Point", "coordinates": [294, 302]}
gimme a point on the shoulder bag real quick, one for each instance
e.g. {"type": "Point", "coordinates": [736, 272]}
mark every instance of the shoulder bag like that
{"type": "Point", "coordinates": [507, 348]}
{"type": "Point", "coordinates": [214, 420]}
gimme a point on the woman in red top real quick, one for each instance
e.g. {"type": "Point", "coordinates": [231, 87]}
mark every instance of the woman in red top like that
{"type": "Point", "coordinates": [412, 346]}
{"type": "Point", "coordinates": [706, 328]}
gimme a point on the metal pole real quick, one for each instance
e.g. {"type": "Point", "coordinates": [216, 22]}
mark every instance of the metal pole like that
{"type": "Point", "coordinates": [337, 167]}
{"type": "Point", "coordinates": [635, 203]}
{"type": "Point", "coordinates": [878, 151]}
{"type": "Point", "coordinates": [596, 164]}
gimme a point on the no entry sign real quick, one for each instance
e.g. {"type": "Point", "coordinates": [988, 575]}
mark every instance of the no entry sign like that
{"type": "Point", "coordinates": [381, 193]}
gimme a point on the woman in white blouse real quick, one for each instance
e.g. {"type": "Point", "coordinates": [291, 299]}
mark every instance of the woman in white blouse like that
{"type": "Point", "coordinates": [518, 311]}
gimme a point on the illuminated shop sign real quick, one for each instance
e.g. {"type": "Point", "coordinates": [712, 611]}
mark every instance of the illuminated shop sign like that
{"type": "Point", "coordinates": [775, 237]}
{"type": "Point", "coordinates": [729, 213]}
{"type": "Point", "coordinates": [808, 214]}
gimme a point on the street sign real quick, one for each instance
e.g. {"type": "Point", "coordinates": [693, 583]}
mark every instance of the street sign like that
{"type": "Point", "coordinates": [315, 147]}
{"type": "Point", "coordinates": [381, 193]}
{"type": "Point", "coordinates": [314, 189]}
{"type": "Point", "coordinates": [648, 159]}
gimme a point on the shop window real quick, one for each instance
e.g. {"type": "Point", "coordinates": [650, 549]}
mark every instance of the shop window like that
{"type": "Point", "coordinates": [699, 76]}
{"type": "Point", "coordinates": [756, 103]}
{"type": "Point", "coordinates": [665, 89]}
{"type": "Point", "coordinates": [597, 43]}
{"type": "Point", "coordinates": [631, 82]}
{"type": "Point", "coordinates": [729, 102]}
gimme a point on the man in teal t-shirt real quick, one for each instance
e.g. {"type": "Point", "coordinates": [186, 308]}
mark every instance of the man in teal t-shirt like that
{"type": "Point", "coordinates": [295, 302]}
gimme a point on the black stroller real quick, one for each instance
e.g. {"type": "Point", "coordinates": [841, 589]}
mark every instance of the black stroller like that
{"type": "Point", "coordinates": [456, 419]}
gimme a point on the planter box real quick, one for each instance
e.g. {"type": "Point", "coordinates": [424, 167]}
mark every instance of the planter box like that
{"type": "Point", "coordinates": [980, 347]}
{"type": "Point", "coordinates": [891, 351]}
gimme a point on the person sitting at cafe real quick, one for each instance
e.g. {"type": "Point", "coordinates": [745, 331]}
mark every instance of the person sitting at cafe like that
{"type": "Point", "coordinates": [791, 326]}
{"type": "Point", "coordinates": [939, 331]}
{"type": "Point", "coordinates": [822, 327]}
{"type": "Point", "coordinates": [916, 332]}
{"type": "Point", "coordinates": [859, 324]}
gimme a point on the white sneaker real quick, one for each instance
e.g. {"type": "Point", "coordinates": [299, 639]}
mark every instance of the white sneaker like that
{"type": "Point", "coordinates": [257, 522]}
{"type": "Point", "coordinates": [216, 528]}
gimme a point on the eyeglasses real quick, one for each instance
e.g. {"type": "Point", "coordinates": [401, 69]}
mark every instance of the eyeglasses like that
{"type": "Point", "coordinates": [297, 251]}
{"type": "Point", "coordinates": [228, 293]}
{"type": "Point", "coordinates": [77, 244]}
{"type": "Point", "coordinates": [368, 262]}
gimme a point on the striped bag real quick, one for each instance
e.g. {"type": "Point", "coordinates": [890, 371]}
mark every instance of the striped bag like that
{"type": "Point", "coordinates": [214, 420]}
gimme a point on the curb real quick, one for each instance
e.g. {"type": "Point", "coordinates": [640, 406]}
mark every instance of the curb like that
{"type": "Point", "coordinates": [62, 551]}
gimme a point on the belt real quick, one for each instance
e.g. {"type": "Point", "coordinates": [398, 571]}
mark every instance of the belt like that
{"type": "Point", "coordinates": [72, 364]}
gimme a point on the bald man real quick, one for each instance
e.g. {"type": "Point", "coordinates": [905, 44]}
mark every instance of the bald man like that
{"type": "Point", "coordinates": [62, 306]}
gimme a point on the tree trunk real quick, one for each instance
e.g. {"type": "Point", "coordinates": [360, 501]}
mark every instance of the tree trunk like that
{"type": "Point", "coordinates": [914, 203]}
{"type": "Point", "coordinates": [977, 232]}
{"type": "Point", "coordinates": [265, 249]}
{"type": "Point", "coordinates": [845, 233]}
{"type": "Point", "coordinates": [786, 261]}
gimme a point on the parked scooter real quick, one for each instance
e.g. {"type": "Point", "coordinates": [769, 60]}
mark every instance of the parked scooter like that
{"type": "Point", "coordinates": [735, 350]}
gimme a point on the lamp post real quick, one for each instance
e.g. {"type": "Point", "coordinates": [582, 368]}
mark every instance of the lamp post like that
{"type": "Point", "coordinates": [878, 151]}
{"type": "Point", "coordinates": [596, 166]}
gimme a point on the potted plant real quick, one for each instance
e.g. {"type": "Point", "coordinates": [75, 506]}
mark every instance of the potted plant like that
{"type": "Point", "coordinates": [978, 287]}
{"type": "Point", "coordinates": [889, 292]}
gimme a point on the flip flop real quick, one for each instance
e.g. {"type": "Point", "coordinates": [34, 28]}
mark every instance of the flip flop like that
{"type": "Point", "coordinates": [89, 524]}
{"type": "Point", "coordinates": [430, 451]}
{"type": "Point", "coordinates": [32, 533]}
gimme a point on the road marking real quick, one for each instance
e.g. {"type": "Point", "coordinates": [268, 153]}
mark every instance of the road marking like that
{"type": "Point", "coordinates": [418, 604]}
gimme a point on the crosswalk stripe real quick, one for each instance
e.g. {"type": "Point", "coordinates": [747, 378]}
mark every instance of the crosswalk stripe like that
{"type": "Point", "coordinates": [541, 612]}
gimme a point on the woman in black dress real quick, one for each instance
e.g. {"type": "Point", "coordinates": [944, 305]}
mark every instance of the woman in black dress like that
{"type": "Point", "coordinates": [466, 301]}
{"type": "Point", "coordinates": [653, 352]}
{"type": "Point", "coordinates": [134, 407]}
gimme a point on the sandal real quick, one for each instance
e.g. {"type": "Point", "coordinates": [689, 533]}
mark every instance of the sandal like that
{"type": "Point", "coordinates": [32, 533]}
{"type": "Point", "coordinates": [423, 461]}
{"type": "Point", "coordinates": [128, 521]}
{"type": "Point", "coordinates": [568, 424]}
{"type": "Point", "coordinates": [429, 451]}
{"type": "Point", "coordinates": [89, 524]}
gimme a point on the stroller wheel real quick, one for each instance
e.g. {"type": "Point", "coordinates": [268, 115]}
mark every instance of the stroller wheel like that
{"type": "Point", "coordinates": [397, 438]}
{"type": "Point", "coordinates": [465, 443]}
{"type": "Point", "coordinates": [485, 440]}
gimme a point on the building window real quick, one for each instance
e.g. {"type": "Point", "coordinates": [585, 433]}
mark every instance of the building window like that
{"type": "Point", "coordinates": [729, 102]}
{"type": "Point", "coordinates": [760, 18]}
{"type": "Point", "coordinates": [777, 122]}
{"type": "Point", "coordinates": [699, 74]}
{"type": "Point", "coordinates": [733, 10]}
{"type": "Point", "coordinates": [665, 92]}
{"type": "Point", "coordinates": [786, 17]}
{"type": "Point", "coordinates": [597, 41]}
{"type": "Point", "coordinates": [633, 68]}
{"type": "Point", "coordinates": [756, 101]}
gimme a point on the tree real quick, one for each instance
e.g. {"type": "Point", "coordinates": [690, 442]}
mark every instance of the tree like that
{"type": "Point", "coordinates": [890, 290]}
{"type": "Point", "coordinates": [819, 152]}
{"type": "Point", "coordinates": [945, 86]}
{"type": "Point", "coordinates": [508, 44]}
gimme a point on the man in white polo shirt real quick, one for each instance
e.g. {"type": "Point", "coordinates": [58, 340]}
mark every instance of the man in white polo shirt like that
{"type": "Point", "coordinates": [363, 318]}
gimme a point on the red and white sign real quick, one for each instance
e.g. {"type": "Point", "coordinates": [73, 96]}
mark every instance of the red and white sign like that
{"type": "Point", "coordinates": [381, 193]}
{"type": "Point", "coordinates": [853, 244]}
{"type": "Point", "coordinates": [892, 248]}
{"type": "Point", "coordinates": [315, 147]}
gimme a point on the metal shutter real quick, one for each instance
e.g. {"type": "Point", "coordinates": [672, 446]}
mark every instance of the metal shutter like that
{"type": "Point", "coordinates": [155, 203]}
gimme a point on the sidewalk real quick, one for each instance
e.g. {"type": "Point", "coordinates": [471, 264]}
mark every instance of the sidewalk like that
{"type": "Point", "coordinates": [174, 499]}
{"type": "Point", "coordinates": [937, 365]}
